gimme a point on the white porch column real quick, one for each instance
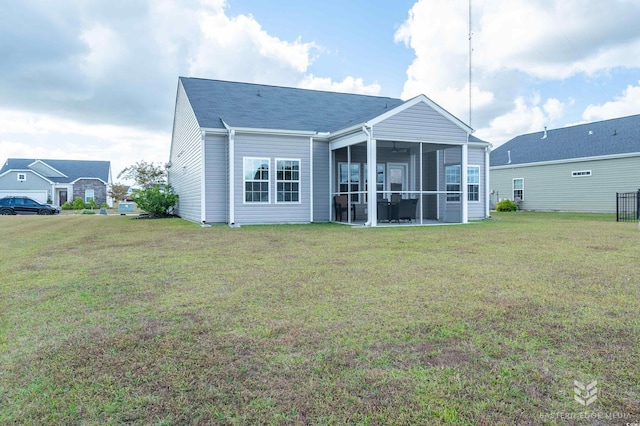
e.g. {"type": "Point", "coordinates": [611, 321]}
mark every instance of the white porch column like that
{"type": "Point", "coordinates": [372, 169]}
{"type": "Point", "coordinates": [463, 184]}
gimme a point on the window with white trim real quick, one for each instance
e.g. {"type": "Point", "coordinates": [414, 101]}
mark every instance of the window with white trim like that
{"type": "Point", "coordinates": [89, 195]}
{"type": "Point", "coordinates": [581, 173]}
{"type": "Point", "coordinates": [22, 177]}
{"type": "Point", "coordinates": [256, 180]}
{"type": "Point", "coordinates": [287, 181]}
{"type": "Point", "coordinates": [452, 182]}
{"type": "Point", "coordinates": [473, 183]}
{"type": "Point", "coordinates": [379, 181]}
{"type": "Point", "coordinates": [518, 189]}
{"type": "Point", "coordinates": [348, 176]}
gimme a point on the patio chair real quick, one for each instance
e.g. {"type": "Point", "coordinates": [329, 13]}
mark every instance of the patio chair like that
{"type": "Point", "coordinates": [341, 204]}
{"type": "Point", "coordinates": [383, 211]}
{"type": "Point", "coordinates": [407, 209]}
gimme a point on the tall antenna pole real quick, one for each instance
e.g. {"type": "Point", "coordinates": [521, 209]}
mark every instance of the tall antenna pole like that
{"type": "Point", "coordinates": [470, 51]}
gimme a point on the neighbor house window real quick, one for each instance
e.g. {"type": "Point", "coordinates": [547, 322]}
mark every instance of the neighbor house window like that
{"type": "Point", "coordinates": [288, 181]}
{"type": "Point", "coordinates": [348, 175]}
{"type": "Point", "coordinates": [452, 182]}
{"type": "Point", "coordinates": [22, 177]}
{"type": "Point", "coordinates": [581, 173]}
{"type": "Point", "coordinates": [256, 180]}
{"type": "Point", "coordinates": [88, 195]}
{"type": "Point", "coordinates": [518, 188]}
{"type": "Point", "coordinates": [473, 183]}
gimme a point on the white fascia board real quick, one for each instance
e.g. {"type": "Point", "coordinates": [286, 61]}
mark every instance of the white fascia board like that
{"type": "Point", "coordinates": [348, 130]}
{"type": "Point", "coordinates": [418, 99]}
{"type": "Point", "coordinates": [568, 160]}
{"type": "Point", "coordinates": [89, 178]}
{"type": "Point", "coordinates": [212, 130]}
{"type": "Point", "coordinates": [348, 140]}
{"type": "Point", "coordinates": [27, 171]}
{"type": "Point", "coordinates": [481, 144]}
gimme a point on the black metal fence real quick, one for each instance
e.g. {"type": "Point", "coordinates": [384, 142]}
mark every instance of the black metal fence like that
{"type": "Point", "coordinates": [627, 206]}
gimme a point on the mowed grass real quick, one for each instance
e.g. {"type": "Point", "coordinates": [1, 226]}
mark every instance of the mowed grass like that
{"type": "Point", "coordinates": [109, 320]}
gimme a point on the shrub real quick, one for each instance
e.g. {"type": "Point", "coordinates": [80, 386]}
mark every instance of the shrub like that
{"type": "Point", "coordinates": [92, 204]}
{"type": "Point", "coordinates": [158, 200]}
{"type": "Point", "coordinates": [104, 205]}
{"type": "Point", "coordinates": [507, 206]}
{"type": "Point", "coordinates": [85, 211]}
{"type": "Point", "coordinates": [78, 204]}
{"type": "Point", "coordinates": [66, 206]}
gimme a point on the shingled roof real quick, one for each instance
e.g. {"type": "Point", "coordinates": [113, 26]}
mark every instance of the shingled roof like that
{"type": "Point", "coordinates": [273, 107]}
{"type": "Point", "coordinates": [73, 169]}
{"type": "Point", "coordinates": [609, 137]}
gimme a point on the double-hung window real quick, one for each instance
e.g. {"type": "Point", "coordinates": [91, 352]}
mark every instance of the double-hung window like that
{"type": "Point", "coordinates": [452, 182]}
{"type": "Point", "coordinates": [518, 189]}
{"type": "Point", "coordinates": [256, 180]}
{"type": "Point", "coordinates": [473, 183]}
{"type": "Point", "coordinates": [287, 181]}
{"type": "Point", "coordinates": [89, 195]}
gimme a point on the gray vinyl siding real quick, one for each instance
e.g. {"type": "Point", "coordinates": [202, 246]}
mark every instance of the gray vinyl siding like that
{"type": "Point", "coordinates": [272, 147]}
{"type": "Point", "coordinates": [321, 192]}
{"type": "Point", "coordinates": [419, 123]}
{"type": "Point", "coordinates": [9, 182]}
{"type": "Point", "coordinates": [552, 188]}
{"type": "Point", "coordinates": [216, 182]}
{"type": "Point", "coordinates": [186, 159]}
{"type": "Point", "coordinates": [476, 209]}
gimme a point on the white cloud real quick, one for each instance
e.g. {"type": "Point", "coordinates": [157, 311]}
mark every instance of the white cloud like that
{"type": "Point", "coordinates": [523, 118]}
{"type": "Point", "coordinates": [515, 42]}
{"type": "Point", "coordinates": [55, 138]}
{"type": "Point", "coordinates": [627, 104]}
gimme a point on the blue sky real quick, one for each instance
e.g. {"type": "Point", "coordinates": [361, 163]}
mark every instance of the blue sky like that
{"type": "Point", "coordinates": [97, 79]}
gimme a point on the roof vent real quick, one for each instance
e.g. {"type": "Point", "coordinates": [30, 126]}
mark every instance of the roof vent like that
{"type": "Point", "coordinates": [590, 132]}
{"type": "Point", "coordinates": [509, 156]}
{"type": "Point", "coordinates": [615, 132]}
{"type": "Point", "coordinates": [545, 133]}
{"type": "Point", "coordinates": [258, 94]}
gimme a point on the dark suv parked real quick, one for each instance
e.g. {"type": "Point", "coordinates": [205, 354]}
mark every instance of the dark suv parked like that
{"type": "Point", "coordinates": [25, 205]}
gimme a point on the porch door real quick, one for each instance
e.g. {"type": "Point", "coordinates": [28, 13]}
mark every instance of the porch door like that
{"type": "Point", "coordinates": [397, 173]}
{"type": "Point", "coordinates": [62, 195]}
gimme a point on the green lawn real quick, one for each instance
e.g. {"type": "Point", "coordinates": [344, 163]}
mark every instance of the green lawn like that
{"type": "Point", "coordinates": [109, 319]}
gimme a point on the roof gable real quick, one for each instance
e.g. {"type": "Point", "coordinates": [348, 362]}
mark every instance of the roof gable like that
{"type": "Point", "coordinates": [68, 170]}
{"type": "Point", "coordinates": [610, 137]}
{"type": "Point", "coordinates": [272, 107]}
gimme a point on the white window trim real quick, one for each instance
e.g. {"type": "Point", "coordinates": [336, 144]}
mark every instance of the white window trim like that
{"type": "Point", "coordinates": [581, 173]}
{"type": "Point", "coordinates": [93, 195]}
{"type": "Point", "coordinates": [299, 181]}
{"type": "Point", "coordinates": [479, 184]}
{"type": "Point", "coordinates": [513, 188]}
{"type": "Point", "coordinates": [244, 181]}
{"type": "Point", "coordinates": [22, 177]}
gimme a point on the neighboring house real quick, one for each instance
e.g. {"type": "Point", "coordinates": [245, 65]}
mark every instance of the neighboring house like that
{"type": "Point", "coordinates": [56, 181]}
{"type": "Point", "coordinates": [578, 168]}
{"type": "Point", "coordinates": [247, 154]}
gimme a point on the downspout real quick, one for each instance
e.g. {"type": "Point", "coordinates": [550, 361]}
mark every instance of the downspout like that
{"type": "Point", "coordinates": [311, 179]}
{"type": "Point", "coordinates": [232, 198]}
{"type": "Point", "coordinates": [487, 195]}
{"type": "Point", "coordinates": [203, 174]}
{"type": "Point", "coordinates": [371, 178]}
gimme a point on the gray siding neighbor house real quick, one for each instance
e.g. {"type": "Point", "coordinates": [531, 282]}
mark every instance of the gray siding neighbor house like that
{"type": "Point", "coordinates": [56, 180]}
{"type": "Point", "coordinates": [578, 168]}
{"type": "Point", "coordinates": [251, 154]}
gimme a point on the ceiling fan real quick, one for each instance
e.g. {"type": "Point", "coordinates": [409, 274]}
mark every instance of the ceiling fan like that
{"type": "Point", "coordinates": [399, 150]}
